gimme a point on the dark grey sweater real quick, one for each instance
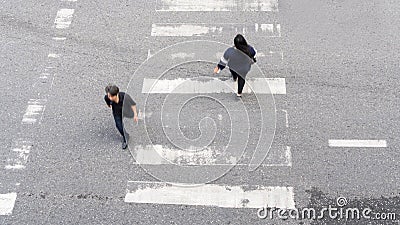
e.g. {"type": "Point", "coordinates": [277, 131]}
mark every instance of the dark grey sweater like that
{"type": "Point", "coordinates": [237, 61]}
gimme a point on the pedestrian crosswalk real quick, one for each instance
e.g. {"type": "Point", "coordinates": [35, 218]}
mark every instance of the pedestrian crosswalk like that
{"type": "Point", "coordinates": [159, 155]}
{"type": "Point", "coordinates": [282, 180]}
{"type": "Point", "coordinates": [16, 159]}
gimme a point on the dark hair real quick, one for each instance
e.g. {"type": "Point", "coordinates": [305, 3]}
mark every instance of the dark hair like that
{"type": "Point", "coordinates": [113, 90]}
{"type": "Point", "coordinates": [241, 44]}
{"type": "Point", "coordinates": [107, 89]}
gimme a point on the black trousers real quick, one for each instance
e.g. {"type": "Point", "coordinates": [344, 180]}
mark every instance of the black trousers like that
{"type": "Point", "coordinates": [120, 126]}
{"type": "Point", "coordinates": [240, 80]}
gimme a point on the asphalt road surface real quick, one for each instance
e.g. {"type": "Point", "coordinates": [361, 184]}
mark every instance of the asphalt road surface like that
{"type": "Point", "coordinates": [317, 127]}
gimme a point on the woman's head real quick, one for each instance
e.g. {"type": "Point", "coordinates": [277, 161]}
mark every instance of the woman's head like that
{"type": "Point", "coordinates": [241, 44]}
{"type": "Point", "coordinates": [239, 41]}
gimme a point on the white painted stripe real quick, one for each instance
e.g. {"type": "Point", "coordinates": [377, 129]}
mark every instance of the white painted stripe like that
{"type": "Point", "coordinates": [198, 29]}
{"type": "Point", "coordinates": [37, 101]}
{"type": "Point", "coordinates": [213, 85]}
{"type": "Point", "coordinates": [286, 118]}
{"type": "Point", "coordinates": [33, 111]}
{"type": "Point", "coordinates": [53, 55]}
{"type": "Point", "coordinates": [64, 18]}
{"type": "Point", "coordinates": [285, 164]}
{"type": "Point", "coordinates": [211, 156]}
{"type": "Point", "coordinates": [210, 195]}
{"type": "Point", "coordinates": [158, 155]}
{"type": "Point", "coordinates": [358, 143]}
{"type": "Point", "coordinates": [217, 5]}
{"type": "Point", "coordinates": [14, 167]}
{"type": "Point", "coordinates": [7, 202]}
{"type": "Point", "coordinates": [59, 38]}
{"type": "Point", "coordinates": [288, 156]}
{"type": "Point", "coordinates": [22, 150]}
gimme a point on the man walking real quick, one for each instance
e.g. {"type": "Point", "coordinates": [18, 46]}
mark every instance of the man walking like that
{"type": "Point", "coordinates": [116, 101]}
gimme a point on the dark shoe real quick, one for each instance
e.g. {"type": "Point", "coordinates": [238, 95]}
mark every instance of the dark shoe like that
{"type": "Point", "coordinates": [124, 145]}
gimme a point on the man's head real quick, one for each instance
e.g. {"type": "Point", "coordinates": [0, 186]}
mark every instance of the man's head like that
{"type": "Point", "coordinates": [107, 89]}
{"type": "Point", "coordinates": [112, 92]}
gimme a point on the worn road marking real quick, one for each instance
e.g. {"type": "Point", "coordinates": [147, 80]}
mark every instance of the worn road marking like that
{"type": "Point", "coordinates": [7, 202]}
{"type": "Point", "coordinates": [217, 5]}
{"type": "Point", "coordinates": [20, 155]}
{"type": "Point", "coordinates": [210, 156]}
{"type": "Point", "coordinates": [256, 196]}
{"type": "Point", "coordinates": [199, 29]}
{"type": "Point", "coordinates": [158, 155]}
{"type": "Point", "coordinates": [53, 55]}
{"type": "Point", "coordinates": [64, 18]}
{"type": "Point", "coordinates": [59, 38]}
{"type": "Point", "coordinates": [286, 118]}
{"type": "Point", "coordinates": [33, 111]}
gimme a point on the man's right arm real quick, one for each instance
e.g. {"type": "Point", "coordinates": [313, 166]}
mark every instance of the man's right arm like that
{"type": "Point", "coordinates": [107, 101]}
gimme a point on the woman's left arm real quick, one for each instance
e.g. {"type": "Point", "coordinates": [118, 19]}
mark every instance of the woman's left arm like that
{"type": "Point", "coordinates": [253, 53]}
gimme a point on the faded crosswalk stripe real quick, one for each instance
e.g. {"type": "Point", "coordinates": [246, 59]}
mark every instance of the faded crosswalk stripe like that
{"type": "Point", "coordinates": [213, 85]}
{"type": "Point", "coordinates": [217, 5]}
{"type": "Point", "coordinates": [249, 196]}
{"type": "Point", "coordinates": [7, 202]}
{"type": "Point", "coordinates": [203, 29]}
{"type": "Point", "coordinates": [64, 18]}
{"type": "Point", "coordinates": [358, 143]}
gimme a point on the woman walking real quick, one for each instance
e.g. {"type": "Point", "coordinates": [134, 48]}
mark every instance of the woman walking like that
{"type": "Point", "coordinates": [239, 60]}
